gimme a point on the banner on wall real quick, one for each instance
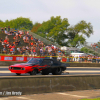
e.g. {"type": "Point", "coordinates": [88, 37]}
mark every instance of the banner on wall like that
{"type": "Point", "coordinates": [21, 58]}
{"type": "Point", "coordinates": [16, 58]}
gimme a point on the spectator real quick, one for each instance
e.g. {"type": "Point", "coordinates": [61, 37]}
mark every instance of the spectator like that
{"type": "Point", "coordinates": [24, 38]}
{"type": "Point", "coordinates": [41, 52]}
{"type": "Point", "coordinates": [2, 30]}
{"type": "Point", "coordinates": [8, 28]}
{"type": "Point", "coordinates": [12, 50]}
{"type": "Point", "coordinates": [1, 40]}
{"type": "Point", "coordinates": [5, 41]}
{"type": "Point", "coordinates": [4, 50]}
{"type": "Point", "coordinates": [16, 36]}
{"type": "Point", "coordinates": [31, 37]}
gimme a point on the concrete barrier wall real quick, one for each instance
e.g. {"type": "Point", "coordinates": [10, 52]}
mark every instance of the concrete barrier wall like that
{"type": "Point", "coordinates": [45, 84]}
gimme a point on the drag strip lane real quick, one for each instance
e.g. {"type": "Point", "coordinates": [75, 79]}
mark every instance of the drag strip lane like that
{"type": "Point", "coordinates": [4, 71]}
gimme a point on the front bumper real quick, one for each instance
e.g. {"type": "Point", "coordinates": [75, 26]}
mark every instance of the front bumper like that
{"type": "Point", "coordinates": [20, 70]}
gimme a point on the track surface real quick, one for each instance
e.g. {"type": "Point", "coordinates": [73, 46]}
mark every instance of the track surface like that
{"type": "Point", "coordinates": [70, 71]}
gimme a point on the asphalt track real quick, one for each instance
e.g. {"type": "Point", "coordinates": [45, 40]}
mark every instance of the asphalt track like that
{"type": "Point", "coordinates": [4, 71]}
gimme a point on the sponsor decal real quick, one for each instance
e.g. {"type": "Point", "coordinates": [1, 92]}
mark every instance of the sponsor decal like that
{"type": "Point", "coordinates": [8, 58]}
{"type": "Point", "coordinates": [19, 58]}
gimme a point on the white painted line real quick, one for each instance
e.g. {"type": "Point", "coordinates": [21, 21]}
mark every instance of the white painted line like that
{"type": "Point", "coordinates": [73, 95]}
{"type": "Point", "coordinates": [79, 71]}
{"type": "Point", "coordinates": [4, 67]}
{"type": "Point", "coordinates": [3, 98]}
{"type": "Point", "coordinates": [5, 71]}
{"type": "Point", "coordinates": [84, 67]}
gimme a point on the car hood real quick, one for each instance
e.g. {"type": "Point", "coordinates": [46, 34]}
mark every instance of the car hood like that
{"type": "Point", "coordinates": [23, 65]}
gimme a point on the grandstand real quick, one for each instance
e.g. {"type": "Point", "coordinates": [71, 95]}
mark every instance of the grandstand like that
{"type": "Point", "coordinates": [37, 40]}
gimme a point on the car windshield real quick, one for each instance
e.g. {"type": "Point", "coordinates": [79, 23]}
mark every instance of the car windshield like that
{"type": "Point", "coordinates": [35, 60]}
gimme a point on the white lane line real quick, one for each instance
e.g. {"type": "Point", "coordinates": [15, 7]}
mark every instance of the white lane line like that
{"type": "Point", "coordinates": [4, 67]}
{"type": "Point", "coordinates": [79, 71]}
{"type": "Point", "coordinates": [3, 98]}
{"type": "Point", "coordinates": [5, 71]}
{"type": "Point", "coordinates": [86, 67]}
{"type": "Point", "coordinates": [73, 95]}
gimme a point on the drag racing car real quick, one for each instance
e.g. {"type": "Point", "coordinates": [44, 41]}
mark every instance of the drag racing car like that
{"type": "Point", "coordinates": [39, 65]}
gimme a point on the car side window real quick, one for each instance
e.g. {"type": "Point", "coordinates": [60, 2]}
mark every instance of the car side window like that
{"type": "Point", "coordinates": [47, 62]}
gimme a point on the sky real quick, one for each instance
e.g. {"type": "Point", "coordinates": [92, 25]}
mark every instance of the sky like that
{"type": "Point", "coordinates": [43, 10]}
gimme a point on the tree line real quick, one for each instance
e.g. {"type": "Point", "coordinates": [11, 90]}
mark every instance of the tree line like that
{"type": "Point", "coordinates": [60, 31]}
{"type": "Point", "coordinates": [55, 29]}
{"type": "Point", "coordinates": [18, 23]}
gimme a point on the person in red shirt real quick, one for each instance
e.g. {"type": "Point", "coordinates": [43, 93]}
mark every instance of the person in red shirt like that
{"type": "Point", "coordinates": [31, 37]}
{"type": "Point", "coordinates": [32, 43]}
{"type": "Point", "coordinates": [13, 46]}
{"type": "Point", "coordinates": [14, 38]}
{"type": "Point", "coordinates": [5, 41]}
{"type": "Point", "coordinates": [10, 46]}
{"type": "Point", "coordinates": [34, 52]}
{"type": "Point", "coordinates": [11, 50]}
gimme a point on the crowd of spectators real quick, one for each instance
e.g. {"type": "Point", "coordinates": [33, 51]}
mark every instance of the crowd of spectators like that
{"type": "Point", "coordinates": [94, 46]}
{"type": "Point", "coordinates": [86, 59]}
{"type": "Point", "coordinates": [26, 44]}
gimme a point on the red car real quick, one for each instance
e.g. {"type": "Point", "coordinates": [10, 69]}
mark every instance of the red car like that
{"type": "Point", "coordinates": [37, 65]}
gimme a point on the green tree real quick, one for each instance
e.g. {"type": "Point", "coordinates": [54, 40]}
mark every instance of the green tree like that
{"type": "Point", "coordinates": [21, 23]}
{"type": "Point", "coordinates": [54, 29]}
{"type": "Point", "coordinates": [35, 27]}
{"type": "Point", "coordinates": [2, 24]}
{"type": "Point", "coordinates": [77, 34]}
{"type": "Point", "coordinates": [84, 49]}
{"type": "Point", "coordinates": [1, 21]}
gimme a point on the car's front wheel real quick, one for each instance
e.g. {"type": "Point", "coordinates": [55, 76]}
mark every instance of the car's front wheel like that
{"type": "Point", "coordinates": [18, 74]}
{"type": "Point", "coordinates": [34, 72]}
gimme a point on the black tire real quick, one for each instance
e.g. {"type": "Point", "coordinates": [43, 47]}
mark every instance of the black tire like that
{"type": "Point", "coordinates": [18, 74]}
{"type": "Point", "coordinates": [45, 72]}
{"type": "Point", "coordinates": [34, 72]}
{"type": "Point", "coordinates": [57, 71]}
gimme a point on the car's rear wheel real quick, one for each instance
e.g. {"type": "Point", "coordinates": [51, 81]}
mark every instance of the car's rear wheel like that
{"type": "Point", "coordinates": [34, 72]}
{"type": "Point", "coordinates": [18, 74]}
{"type": "Point", "coordinates": [57, 71]}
